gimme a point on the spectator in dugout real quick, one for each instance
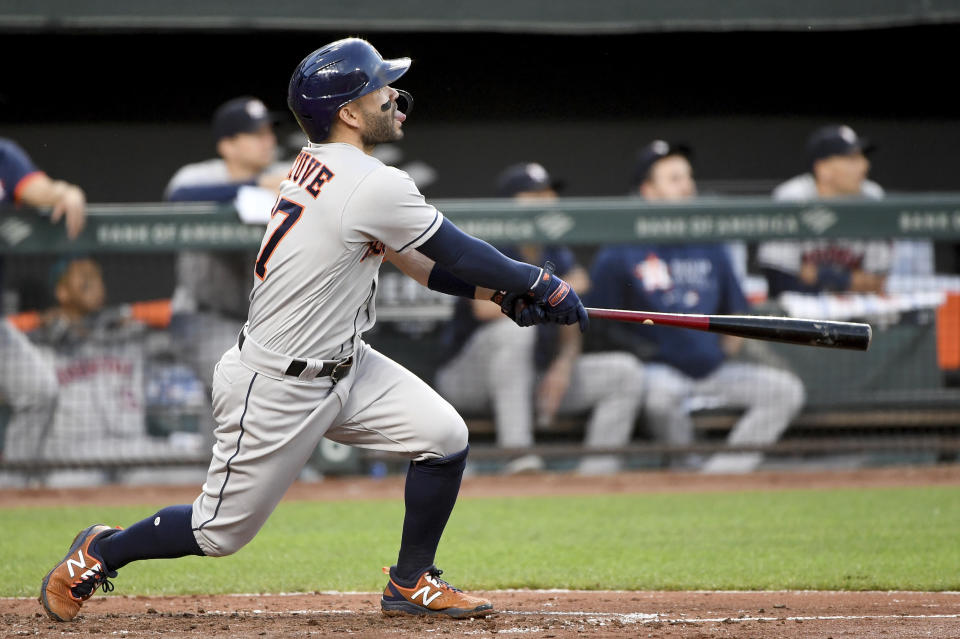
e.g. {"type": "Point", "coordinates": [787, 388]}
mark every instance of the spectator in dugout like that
{"type": "Point", "coordinates": [687, 369]}
{"type": "Point", "coordinates": [27, 385]}
{"type": "Point", "coordinates": [98, 354]}
{"type": "Point", "coordinates": [838, 162]}
{"type": "Point", "coordinates": [534, 375]}
{"type": "Point", "coordinates": [210, 301]}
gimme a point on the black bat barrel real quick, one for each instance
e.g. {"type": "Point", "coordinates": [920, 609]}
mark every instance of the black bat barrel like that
{"type": "Point", "coordinates": [795, 331]}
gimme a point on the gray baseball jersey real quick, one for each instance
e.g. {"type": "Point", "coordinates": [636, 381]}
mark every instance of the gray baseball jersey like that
{"type": "Point", "coordinates": [873, 256]}
{"type": "Point", "coordinates": [99, 363]}
{"type": "Point", "coordinates": [803, 187]}
{"type": "Point", "coordinates": [316, 274]}
{"type": "Point", "coordinates": [906, 257]}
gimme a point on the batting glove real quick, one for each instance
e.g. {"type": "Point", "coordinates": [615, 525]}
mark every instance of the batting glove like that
{"type": "Point", "coordinates": [520, 308]}
{"type": "Point", "coordinates": [557, 300]}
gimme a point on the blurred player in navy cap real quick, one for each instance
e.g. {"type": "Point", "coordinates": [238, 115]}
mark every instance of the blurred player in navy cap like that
{"type": "Point", "coordinates": [838, 164]}
{"type": "Point", "coordinates": [211, 296]}
{"type": "Point", "coordinates": [837, 167]}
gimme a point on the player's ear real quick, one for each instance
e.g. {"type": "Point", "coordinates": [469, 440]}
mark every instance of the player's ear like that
{"type": "Point", "coordinates": [349, 115]}
{"type": "Point", "coordinates": [224, 147]}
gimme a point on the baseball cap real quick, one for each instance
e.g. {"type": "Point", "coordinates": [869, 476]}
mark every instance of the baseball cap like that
{"type": "Point", "coordinates": [239, 115]}
{"type": "Point", "coordinates": [653, 153]}
{"type": "Point", "coordinates": [836, 139]}
{"type": "Point", "coordinates": [526, 176]}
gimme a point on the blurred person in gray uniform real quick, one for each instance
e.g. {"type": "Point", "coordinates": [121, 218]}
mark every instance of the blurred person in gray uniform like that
{"type": "Point", "coordinates": [98, 355]}
{"type": "Point", "coordinates": [838, 162]}
{"type": "Point", "coordinates": [535, 375]}
{"type": "Point", "coordinates": [211, 297]}
{"type": "Point", "coordinates": [27, 385]}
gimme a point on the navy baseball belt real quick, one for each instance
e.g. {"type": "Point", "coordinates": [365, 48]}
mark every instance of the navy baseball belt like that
{"type": "Point", "coordinates": [334, 369]}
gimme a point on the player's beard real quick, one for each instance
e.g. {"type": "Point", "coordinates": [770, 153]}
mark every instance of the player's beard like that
{"type": "Point", "coordinates": [379, 128]}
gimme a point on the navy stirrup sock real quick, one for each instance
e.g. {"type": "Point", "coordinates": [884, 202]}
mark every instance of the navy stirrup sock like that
{"type": "Point", "coordinates": [167, 534]}
{"type": "Point", "coordinates": [429, 495]}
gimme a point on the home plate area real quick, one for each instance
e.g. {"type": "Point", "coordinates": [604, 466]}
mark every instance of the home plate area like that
{"type": "Point", "coordinates": [558, 614]}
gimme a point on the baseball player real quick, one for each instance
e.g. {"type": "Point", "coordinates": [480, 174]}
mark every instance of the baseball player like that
{"type": "Point", "coordinates": [518, 374]}
{"type": "Point", "coordinates": [683, 365]}
{"type": "Point", "coordinates": [99, 356]}
{"type": "Point", "coordinates": [27, 384]}
{"type": "Point", "coordinates": [300, 369]}
{"type": "Point", "coordinates": [838, 163]}
{"type": "Point", "coordinates": [210, 299]}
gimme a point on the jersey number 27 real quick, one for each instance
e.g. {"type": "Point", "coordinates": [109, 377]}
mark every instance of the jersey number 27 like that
{"type": "Point", "coordinates": [291, 212]}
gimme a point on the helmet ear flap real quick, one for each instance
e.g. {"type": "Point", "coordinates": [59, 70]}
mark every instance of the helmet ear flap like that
{"type": "Point", "coordinates": [408, 102]}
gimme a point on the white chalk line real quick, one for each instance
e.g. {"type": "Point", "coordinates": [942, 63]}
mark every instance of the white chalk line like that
{"type": "Point", "coordinates": [546, 591]}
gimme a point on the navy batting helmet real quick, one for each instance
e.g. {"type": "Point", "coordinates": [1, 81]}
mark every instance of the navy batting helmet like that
{"type": "Point", "coordinates": [334, 75]}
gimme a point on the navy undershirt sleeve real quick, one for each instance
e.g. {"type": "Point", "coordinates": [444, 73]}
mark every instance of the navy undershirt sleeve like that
{"type": "Point", "coordinates": [477, 262]}
{"type": "Point", "coordinates": [833, 278]}
{"type": "Point", "coordinates": [444, 281]}
{"type": "Point", "coordinates": [778, 282]}
{"type": "Point", "coordinates": [15, 165]}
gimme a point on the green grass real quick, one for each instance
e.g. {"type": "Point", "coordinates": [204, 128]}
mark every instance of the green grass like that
{"type": "Point", "coordinates": [844, 539]}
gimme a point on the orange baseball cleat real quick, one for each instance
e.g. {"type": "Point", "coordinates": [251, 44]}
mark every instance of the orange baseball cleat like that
{"type": "Point", "coordinates": [431, 596]}
{"type": "Point", "coordinates": [76, 577]}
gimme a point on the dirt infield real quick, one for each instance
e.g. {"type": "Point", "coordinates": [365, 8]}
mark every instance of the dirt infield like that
{"type": "Point", "coordinates": [563, 615]}
{"type": "Point", "coordinates": [557, 614]}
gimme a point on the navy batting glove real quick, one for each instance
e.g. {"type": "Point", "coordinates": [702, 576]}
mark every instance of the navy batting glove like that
{"type": "Point", "coordinates": [520, 308]}
{"type": "Point", "coordinates": [559, 302]}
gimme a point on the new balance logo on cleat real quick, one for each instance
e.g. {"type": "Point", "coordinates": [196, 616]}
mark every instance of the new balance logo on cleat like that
{"type": "Point", "coordinates": [431, 596]}
{"type": "Point", "coordinates": [79, 564]}
{"type": "Point", "coordinates": [76, 577]}
{"type": "Point", "coordinates": [427, 597]}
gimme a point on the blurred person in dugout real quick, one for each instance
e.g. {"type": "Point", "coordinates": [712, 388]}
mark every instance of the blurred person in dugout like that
{"type": "Point", "coordinates": [212, 288]}
{"type": "Point", "coordinates": [98, 354]}
{"type": "Point", "coordinates": [686, 369]}
{"type": "Point", "coordinates": [527, 375]}
{"type": "Point", "coordinates": [838, 164]}
{"type": "Point", "coordinates": [27, 385]}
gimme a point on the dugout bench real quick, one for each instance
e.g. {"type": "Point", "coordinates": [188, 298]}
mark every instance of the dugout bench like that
{"type": "Point", "coordinates": [894, 397]}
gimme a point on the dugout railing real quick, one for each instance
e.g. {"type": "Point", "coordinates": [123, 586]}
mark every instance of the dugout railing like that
{"type": "Point", "coordinates": [899, 400]}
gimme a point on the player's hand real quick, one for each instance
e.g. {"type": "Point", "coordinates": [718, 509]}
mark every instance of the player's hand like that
{"type": "Point", "coordinates": [520, 308]}
{"type": "Point", "coordinates": [72, 205]}
{"type": "Point", "coordinates": [559, 302]}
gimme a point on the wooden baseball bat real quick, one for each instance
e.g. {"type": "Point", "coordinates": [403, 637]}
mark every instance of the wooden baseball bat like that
{"type": "Point", "coordinates": [808, 332]}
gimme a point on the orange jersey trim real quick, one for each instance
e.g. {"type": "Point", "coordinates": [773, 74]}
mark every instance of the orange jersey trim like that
{"type": "Point", "coordinates": [25, 322]}
{"type": "Point", "coordinates": [29, 177]}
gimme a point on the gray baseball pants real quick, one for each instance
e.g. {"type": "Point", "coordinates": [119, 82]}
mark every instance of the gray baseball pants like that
{"type": "Point", "coordinates": [28, 384]}
{"type": "Point", "coordinates": [269, 423]}
{"type": "Point", "coordinates": [496, 369]}
{"type": "Point", "coordinates": [771, 396]}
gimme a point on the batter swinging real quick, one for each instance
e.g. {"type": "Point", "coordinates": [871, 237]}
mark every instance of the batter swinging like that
{"type": "Point", "coordinates": [300, 370]}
